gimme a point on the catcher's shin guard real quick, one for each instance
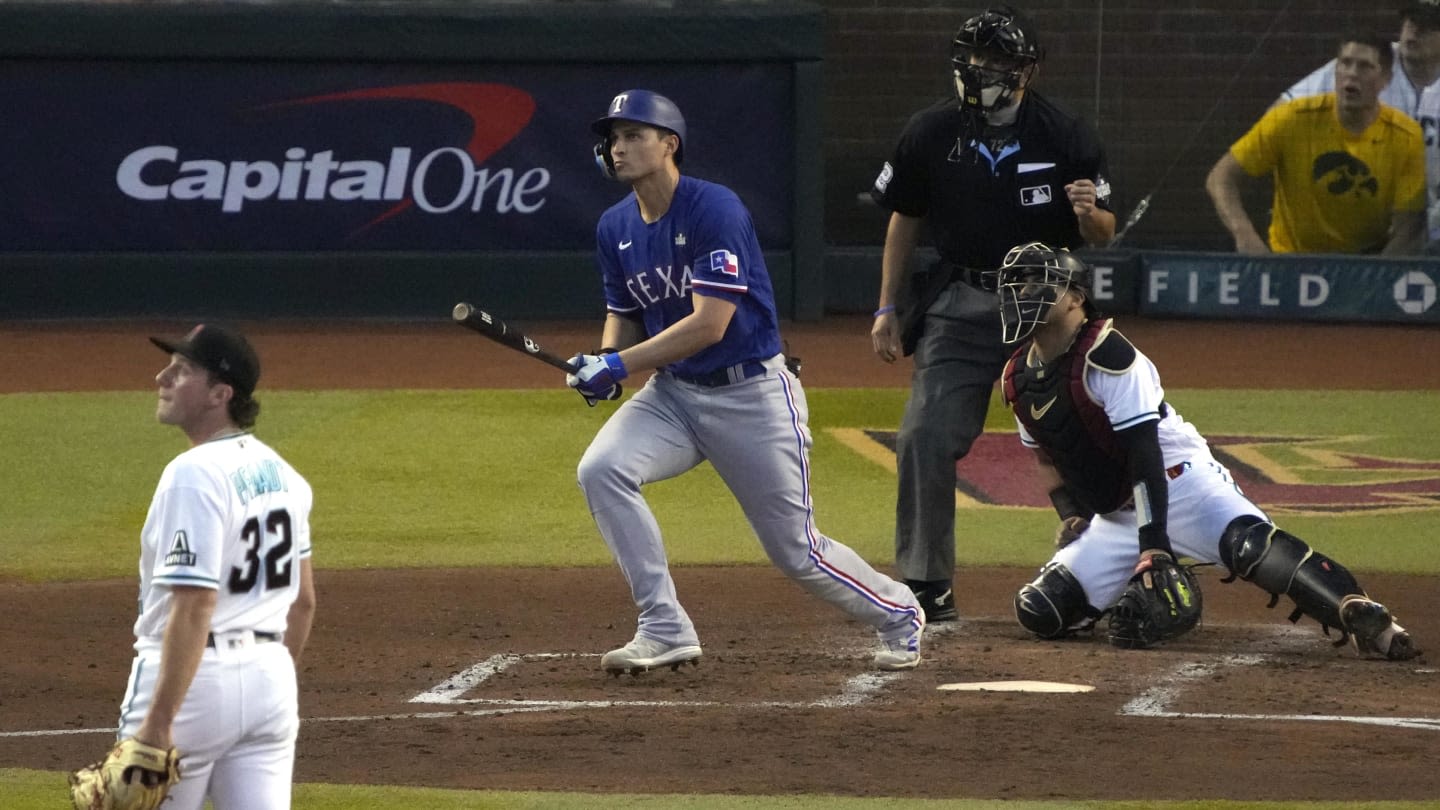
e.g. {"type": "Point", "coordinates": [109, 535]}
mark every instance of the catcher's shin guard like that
{"type": "Point", "coordinates": [1054, 604]}
{"type": "Point", "coordinates": [1283, 564]}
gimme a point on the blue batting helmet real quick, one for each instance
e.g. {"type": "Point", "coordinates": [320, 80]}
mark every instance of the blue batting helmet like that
{"type": "Point", "coordinates": [644, 107]}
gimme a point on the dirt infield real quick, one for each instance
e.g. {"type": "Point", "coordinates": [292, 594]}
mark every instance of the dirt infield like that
{"type": "Point", "coordinates": [488, 678]}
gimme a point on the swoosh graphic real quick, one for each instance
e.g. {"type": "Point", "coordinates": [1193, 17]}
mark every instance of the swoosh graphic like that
{"type": "Point", "coordinates": [1040, 414]}
{"type": "Point", "coordinates": [497, 112]}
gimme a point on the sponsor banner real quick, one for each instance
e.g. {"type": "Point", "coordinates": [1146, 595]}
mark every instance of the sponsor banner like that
{"type": "Point", "coordinates": [1115, 276]}
{"type": "Point", "coordinates": [1293, 287]}
{"type": "Point", "coordinates": [231, 156]}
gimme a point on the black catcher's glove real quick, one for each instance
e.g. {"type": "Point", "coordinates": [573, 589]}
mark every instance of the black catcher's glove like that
{"type": "Point", "coordinates": [1161, 602]}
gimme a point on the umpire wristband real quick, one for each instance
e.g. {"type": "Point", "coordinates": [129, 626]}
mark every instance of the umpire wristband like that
{"type": "Point", "coordinates": [885, 310]}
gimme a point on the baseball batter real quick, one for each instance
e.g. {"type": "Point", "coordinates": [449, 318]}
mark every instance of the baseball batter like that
{"type": "Point", "coordinates": [688, 295]}
{"type": "Point", "coordinates": [1135, 484]}
{"type": "Point", "coordinates": [226, 590]}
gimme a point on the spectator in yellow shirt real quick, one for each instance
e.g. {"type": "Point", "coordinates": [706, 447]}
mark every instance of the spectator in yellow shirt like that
{"type": "Point", "coordinates": [1348, 171]}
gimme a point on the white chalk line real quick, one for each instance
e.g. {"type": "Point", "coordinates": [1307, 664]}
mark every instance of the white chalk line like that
{"type": "Point", "coordinates": [1156, 702]}
{"type": "Point", "coordinates": [856, 691]}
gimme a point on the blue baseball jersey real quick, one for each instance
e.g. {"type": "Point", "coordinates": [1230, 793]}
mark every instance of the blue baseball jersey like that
{"type": "Point", "coordinates": [704, 244]}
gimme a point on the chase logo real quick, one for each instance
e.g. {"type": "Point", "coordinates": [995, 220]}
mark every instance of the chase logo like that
{"type": "Point", "coordinates": [1415, 293]}
{"type": "Point", "coordinates": [437, 181]}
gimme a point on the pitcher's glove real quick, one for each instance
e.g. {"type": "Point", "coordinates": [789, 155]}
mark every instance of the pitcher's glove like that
{"type": "Point", "coordinates": [1161, 602]}
{"type": "Point", "coordinates": [134, 776]}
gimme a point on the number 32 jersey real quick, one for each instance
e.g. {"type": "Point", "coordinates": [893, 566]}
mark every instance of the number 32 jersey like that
{"type": "Point", "coordinates": [232, 515]}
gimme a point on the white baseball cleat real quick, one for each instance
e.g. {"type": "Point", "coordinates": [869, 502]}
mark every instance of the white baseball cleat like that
{"type": "Point", "coordinates": [901, 652]}
{"type": "Point", "coordinates": [644, 654]}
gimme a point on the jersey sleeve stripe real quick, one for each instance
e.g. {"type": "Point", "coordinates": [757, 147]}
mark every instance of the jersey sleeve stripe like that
{"type": "Point", "coordinates": [1150, 416]}
{"type": "Point", "coordinates": [731, 287]}
{"type": "Point", "coordinates": [622, 310]}
{"type": "Point", "coordinates": [178, 579]}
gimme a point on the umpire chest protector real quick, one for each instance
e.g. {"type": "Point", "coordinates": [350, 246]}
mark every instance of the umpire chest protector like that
{"type": "Point", "coordinates": [1054, 405]}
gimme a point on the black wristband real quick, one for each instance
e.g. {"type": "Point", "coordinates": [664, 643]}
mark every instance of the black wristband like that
{"type": "Point", "coordinates": [1154, 538]}
{"type": "Point", "coordinates": [1065, 505]}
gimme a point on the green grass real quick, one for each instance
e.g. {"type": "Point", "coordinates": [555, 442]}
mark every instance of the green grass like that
{"type": "Point", "coordinates": [464, 478]}
{"type": "Point", "coordinates": [44, 790]}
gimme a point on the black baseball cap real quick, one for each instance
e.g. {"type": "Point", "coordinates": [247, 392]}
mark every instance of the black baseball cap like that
{"type": "Point", "coordinates": [1424, 12]}
{"type": "Point", "coordinates": [221, 351]}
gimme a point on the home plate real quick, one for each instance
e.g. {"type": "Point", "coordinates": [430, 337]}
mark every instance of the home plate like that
{"type": "Point", "coordinates": [1015, 686]}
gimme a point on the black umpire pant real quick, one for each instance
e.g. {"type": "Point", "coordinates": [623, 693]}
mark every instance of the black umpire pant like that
{"type": "Point", "coordinates": [958, 358]}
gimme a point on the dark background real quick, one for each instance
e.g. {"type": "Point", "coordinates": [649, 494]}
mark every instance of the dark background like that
{"type": "Point", "coordinates": [1147, 74]}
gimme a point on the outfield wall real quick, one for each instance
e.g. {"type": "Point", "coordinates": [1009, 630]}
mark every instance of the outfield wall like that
{"type": "Point", "coordinates": [377, 159]}
{"type": "Point", "coordinates": [1183, 284]}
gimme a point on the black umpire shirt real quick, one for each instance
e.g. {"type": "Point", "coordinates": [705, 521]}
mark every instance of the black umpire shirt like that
{"type": "Point", "coordinates": [977, 203]}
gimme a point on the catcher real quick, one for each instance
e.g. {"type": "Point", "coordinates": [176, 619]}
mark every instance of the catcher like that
{"type": "Point", "coordinates": [227, 598]}
{"type": "Point", "coordinates": [1135, 484]}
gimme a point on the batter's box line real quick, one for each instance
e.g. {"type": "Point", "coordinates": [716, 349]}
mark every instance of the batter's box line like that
{"type": "Point", "coordinates": [1156, 702]}
{"type": "Point", "coordinates": [857, 690]}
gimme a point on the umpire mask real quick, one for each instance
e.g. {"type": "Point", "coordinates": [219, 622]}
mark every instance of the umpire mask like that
{"type": "Point", "coordinates": [1033, 277]}
{"type": "Point", "coordinates": [989, 58]}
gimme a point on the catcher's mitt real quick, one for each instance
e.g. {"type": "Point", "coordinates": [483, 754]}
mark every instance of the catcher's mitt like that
{"type": "Point", "coordinates": [134, 776]}
{"type": "Point", "coordinates": [1161, 602]}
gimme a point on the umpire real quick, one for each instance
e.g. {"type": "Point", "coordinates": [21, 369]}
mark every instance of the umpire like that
{"type": "Point", "coordinates": [993, 166]}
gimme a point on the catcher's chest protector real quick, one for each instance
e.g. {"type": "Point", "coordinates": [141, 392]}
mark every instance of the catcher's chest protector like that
{"type": "Point", "coordinates": [1055, 407]}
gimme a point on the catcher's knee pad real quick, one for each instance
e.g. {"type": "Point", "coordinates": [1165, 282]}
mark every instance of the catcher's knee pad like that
{"type": "Point", "coordinates": [1054, 604]}
{"type": "Point", "coordinates": [1283, 564]}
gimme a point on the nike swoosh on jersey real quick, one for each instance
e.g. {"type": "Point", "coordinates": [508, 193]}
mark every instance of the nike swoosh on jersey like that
{"type": "Point", "coordinates": [627, 243]}
{"type": "Point", "coordinates": [1039, 413]}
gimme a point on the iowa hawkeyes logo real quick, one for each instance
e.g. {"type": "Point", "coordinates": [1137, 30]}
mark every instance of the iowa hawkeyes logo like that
{"type": "Point", "coordinates": [1343, 173]}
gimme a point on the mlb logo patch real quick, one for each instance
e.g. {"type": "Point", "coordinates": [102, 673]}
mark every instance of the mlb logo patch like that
{"type": "Point", "coordinates": [1035, 195]}
{"type": "Point", "coordinates": [723, 261]}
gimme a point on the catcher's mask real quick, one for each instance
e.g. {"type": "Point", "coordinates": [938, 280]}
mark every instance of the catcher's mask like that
{"type": "Point", "coordinates": [640, 106]}
{"type": "Point", "coordinates": [1032, 278]}
{"type": "Point", "coordinates": [1007, 46]}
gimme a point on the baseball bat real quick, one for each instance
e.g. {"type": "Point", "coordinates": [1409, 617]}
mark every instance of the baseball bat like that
{"type": "Point", "coordinates": [497, 330]}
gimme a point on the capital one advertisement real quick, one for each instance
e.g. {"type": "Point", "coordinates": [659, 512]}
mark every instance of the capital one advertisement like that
{"type": "Point", "coordinates": [216, 156]}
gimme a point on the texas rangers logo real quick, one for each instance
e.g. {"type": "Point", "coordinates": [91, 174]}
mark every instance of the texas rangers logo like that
{"type": "Point", "coordinates": [723, 261]}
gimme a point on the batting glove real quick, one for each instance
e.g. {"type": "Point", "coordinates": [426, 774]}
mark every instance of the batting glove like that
{"type": "Point", "coordinates": [598, 376]}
